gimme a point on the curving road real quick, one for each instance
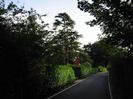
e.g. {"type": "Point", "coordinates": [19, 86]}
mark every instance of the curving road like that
{"type": "Point", "coordinates": [94, 87]}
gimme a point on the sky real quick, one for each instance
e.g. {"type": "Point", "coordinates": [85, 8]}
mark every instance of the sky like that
{"type": "Point", "coordinates": [53, 7]}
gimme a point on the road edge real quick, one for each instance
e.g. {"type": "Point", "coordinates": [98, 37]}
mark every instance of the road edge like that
{"type": "Point", "coordinates": [50, 97]}
{"type": "Point", "coordinates": [110, 92]}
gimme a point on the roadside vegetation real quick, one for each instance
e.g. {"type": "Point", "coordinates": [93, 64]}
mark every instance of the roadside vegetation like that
{"type": "Point", "coordinates": [116, 22]}
{"type": "Point", "coordinates": [35, 60]}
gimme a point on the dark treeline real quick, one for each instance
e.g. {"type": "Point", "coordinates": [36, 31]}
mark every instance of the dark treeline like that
{"type": "Point", "coordinates": [37, 61]}
{"type": "Point", "coordinates": [34, 60]}
{"type": "Point", "coordinates": [21, 49]}
{"type": "Point", "coordinates": [115, 18]}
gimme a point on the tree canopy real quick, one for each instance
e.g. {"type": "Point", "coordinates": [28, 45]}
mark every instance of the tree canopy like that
{"type": "Point", "coordinates": [65, 38]}
{"type": "Point", "coordinates": [101, 52]}
{"type": "Point", "coordinates": [114, 18]}
{"type": "Point", "coordinates": [22, 45]}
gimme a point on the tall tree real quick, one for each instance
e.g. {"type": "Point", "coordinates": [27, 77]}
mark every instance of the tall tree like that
{"type": "Point", "coordinates": [65, 37]}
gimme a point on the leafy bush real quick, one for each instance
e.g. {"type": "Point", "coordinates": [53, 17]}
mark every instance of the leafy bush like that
{"type": "Point", "coordinates": [84, 70]}
{"type": "Point", "coordinates": [93, 71]}
{"type": "Point", "coordinates": [61, 75]}
{"type": "Point", "coordinates": [87, 64]}
{"type": "Point", "coordinates": [64, 74]}
{"type": "Point", "coordinates": [102, 69]}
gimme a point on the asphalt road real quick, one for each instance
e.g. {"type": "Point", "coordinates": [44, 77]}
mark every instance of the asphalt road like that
{"type": "Point", "coordinates": [94, 87]}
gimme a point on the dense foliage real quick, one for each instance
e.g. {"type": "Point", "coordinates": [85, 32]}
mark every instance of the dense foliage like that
{"type": "Point", "coordinates": [84, 57]}
{"type": "Point", "coordinates": [101, 52]}
{"type": "Point", "coordinates": [21, 49]}
{"type": "Point", "coordinates": [27, 47]}
{"type": "Point", "coordinates": [115, 19]}
{"type": "Point", "coordinates": [102, 69]}
{"type": "Point", "coordinates": [66, 38]}
{"type": "Point", "coordinates": [83, 70]}
{"type": "Point", "coordinates": [116, 22]}
{"type": "Point", "coordinates": [61, 75]}
{"type": "Point", "coordinates": [34, 59]}
{"type": "Point", "coordinates": [57, 78]}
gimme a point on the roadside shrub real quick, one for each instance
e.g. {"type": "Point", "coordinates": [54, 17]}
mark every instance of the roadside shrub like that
{"type": "Point", "coordinates": [84, 70]}
{"type": "Point", "coordinates": [64, 74]}
{"type": "Point", "coordinates": [94, 70]}
{"type": "Point", "coordinates": [60, 76]}
{"type": "Point", "coordinates": [102, 69]}
{"type": "Point", "coordinates": [87, 64]}
{"type": "Point", "coordinates": [57, 78]}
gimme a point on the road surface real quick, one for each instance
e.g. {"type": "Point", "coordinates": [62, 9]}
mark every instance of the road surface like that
{"type": "Point", "coordinates": [94, 87]}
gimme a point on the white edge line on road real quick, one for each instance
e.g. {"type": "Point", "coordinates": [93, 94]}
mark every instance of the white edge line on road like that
{"type": "Point", "coordinates": [110, 92]}
{"type": "Point", "coordinates": [64, 90]}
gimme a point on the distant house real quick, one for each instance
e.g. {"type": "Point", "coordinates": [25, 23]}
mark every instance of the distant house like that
{"type": "Point", "coordinates": [77, 60]}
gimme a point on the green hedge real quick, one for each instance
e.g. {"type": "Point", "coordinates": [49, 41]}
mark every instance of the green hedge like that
{"type": "Point", "coordinates": [64, 74]}
{"type": "Point", "coordinates": [84, 70]}
{"type": "Point", "coordinates": [94, 70]}
{"type": "Point", "coordinates": [102, 69]}
{"type": "Point", "coordinates": [60, 75]}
